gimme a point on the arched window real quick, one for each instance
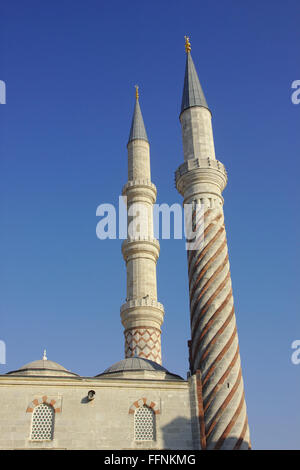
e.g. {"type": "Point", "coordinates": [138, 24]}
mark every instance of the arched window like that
{"type": "Point", "coordinates": [144, 424]}
{"type": "Point", "coordinates": [42, 423]}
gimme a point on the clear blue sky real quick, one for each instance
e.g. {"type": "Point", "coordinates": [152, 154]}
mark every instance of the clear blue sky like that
{"type": "Point", "coordinates": [70, 68]}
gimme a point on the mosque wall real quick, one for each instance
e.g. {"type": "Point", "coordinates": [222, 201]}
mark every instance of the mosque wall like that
{"type": "Point", "coordinates": [105, 422]}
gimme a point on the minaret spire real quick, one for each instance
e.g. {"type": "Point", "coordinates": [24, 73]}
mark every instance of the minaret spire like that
{"type": "Point", "coordinates": [192, 91]}
{"type": "Point", "coordinates": [141, 315]}
{"type": "Point", "coordinates": [198, 138]}
{"type": "Point", "coordinates": [213, 348]}
{"type": "Point", "coordinates": [137, 130]}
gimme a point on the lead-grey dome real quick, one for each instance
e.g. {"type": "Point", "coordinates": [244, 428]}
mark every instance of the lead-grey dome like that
{"type": "Point", "coordinates": [136, 364]}
{"type": "Point", "coordinates": [43, 367]}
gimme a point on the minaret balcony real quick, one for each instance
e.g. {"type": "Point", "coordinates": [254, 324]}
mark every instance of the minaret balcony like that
{"type": "Point", "coordinates": [198, 176]}
{"type": "Point", "coordinates": [140, 190]}
{"type": "Point", "coordinates": [145, 247]}
{"type": "Point", "coordinates": [144, 311]}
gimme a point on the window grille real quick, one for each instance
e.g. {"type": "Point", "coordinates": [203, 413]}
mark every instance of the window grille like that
{"type": "Point", "coordinates": [144, 424]}
{"type": "Point", "coordinates": [42, 423]}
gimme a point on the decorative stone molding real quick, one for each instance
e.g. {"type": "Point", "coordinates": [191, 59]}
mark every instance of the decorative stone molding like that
{"type": "Point", "coordinates": [140, 188]}
{"type": "Point", "coordinates": [144, 401]}
{"type": "Point", "coordinates": [138, 246]}
{"type": "Point", "coordinates": [142, 312]}
{"type": "Point", "coordinates": [142, 303]}
{"type": "Point", "coordinates": [200, 176]}
{"type": "Point", "coordinates": [151, 240]}
{"type": "Point", "coordinates": [193, 163]}
{"type": "Point", "coordinates": [51, 401]}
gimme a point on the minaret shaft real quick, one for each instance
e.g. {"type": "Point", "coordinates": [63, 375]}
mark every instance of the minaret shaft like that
{"type": "Point", "coordinates": [214, 349]}
{"type": "Point", "coordinates": [197, 134]}
{"type": "Point", "coordinates": [139, 160]}
{"type": "Point", "coordinates": [141, 315]}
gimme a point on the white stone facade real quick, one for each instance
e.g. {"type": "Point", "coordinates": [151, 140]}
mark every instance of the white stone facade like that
{"type": "Point", "coordinates": [107, 421]}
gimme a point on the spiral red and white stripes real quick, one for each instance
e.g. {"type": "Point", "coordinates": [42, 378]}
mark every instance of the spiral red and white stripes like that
{"type": "Point", "coordinates": [214, 348]}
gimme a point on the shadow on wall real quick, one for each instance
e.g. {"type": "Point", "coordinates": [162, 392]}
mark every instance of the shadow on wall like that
{"type": "Point", "coordinates": [177, 434]}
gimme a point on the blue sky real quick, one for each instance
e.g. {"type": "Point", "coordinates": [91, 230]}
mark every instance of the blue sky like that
{"type": "Point", "coordinates": [70, 68]}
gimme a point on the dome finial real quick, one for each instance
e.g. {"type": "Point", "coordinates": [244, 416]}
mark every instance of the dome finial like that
{"type": "Point", "coordinates": [44, 356]}
{"type": "Point", "coordinates": [136, 91]}
{"type": "Point", "coordinates": [187, 44]}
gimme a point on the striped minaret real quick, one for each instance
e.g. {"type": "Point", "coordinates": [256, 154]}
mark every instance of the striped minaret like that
{"type": "Point", "coordinates": [214, 346]}
{"type": "Point", "coordinates": [141, 314]}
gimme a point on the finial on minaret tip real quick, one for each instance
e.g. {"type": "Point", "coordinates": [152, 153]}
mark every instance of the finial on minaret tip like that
{"type": "Point", "coordinates": [187, 44]}
{"type": "Point", "coordinates": [136, 91]}
{"type": "Point", "coordinates": [44, 356]}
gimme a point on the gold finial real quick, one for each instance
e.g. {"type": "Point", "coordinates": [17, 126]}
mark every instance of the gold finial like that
{"type": "Point", "coordinates": [136, 91]}
{"type": "Point", "coordinates": [187, 44]}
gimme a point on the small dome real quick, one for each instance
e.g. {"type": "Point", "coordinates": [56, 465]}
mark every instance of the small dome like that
{"type": "Point", "coordinates": [43, 367]}
{"type": "Point", "coordinates": [136, 364]}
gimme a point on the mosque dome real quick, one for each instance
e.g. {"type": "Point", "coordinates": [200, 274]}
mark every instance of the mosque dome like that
{"type": "Point", "coordinates": [137, 364]}
{"type": "Point", "coordinates": [43, 367]}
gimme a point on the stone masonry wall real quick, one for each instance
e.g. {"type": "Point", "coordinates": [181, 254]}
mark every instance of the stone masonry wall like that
{"type": "Point", "coordinates": [106, 422]}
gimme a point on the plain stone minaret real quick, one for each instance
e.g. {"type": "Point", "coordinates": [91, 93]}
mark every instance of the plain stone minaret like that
{"type": "Point", "coordinates": [214, 347]}
{"type": "Point", "coordinates": [141, 314]}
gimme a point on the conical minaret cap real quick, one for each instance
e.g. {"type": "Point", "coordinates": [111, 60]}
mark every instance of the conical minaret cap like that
{"type": "Point", "coordinates": [137, 130]}
{"type": "Point", "coordinates": [192, 91]}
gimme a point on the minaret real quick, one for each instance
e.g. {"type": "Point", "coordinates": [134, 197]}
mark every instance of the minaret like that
{"type": "Point", "coordinates": [141, 315]}
{"type": "Point", "coordinates": [213, 348]}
